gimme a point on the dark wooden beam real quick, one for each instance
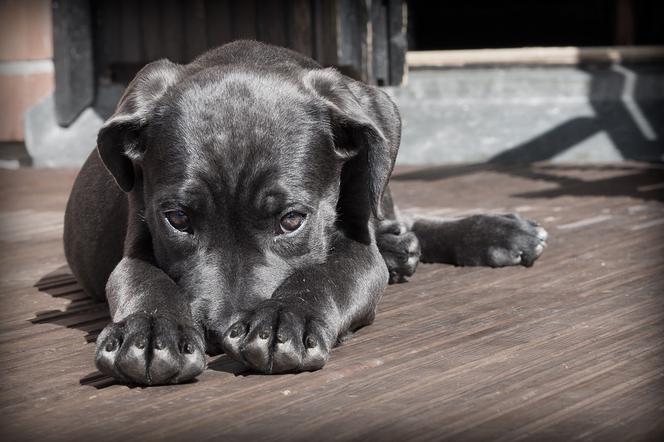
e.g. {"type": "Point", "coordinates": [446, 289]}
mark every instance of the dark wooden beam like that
{"type": "Point", "coordinates": [300, 26]}
{"type": "Point", "coordinates": [151, 30]}
{"type": "Point", "coordinates": [73, 58]}
{"type": "Point", "coordinates": [218, 22]}
{"type": "Point", "coordinates": [244, 19]}
{"type": "Point", "coordinates": [353, 23]}
{"type": "Point", "coordinates": [624, 31]}
{"type": "Point", "coordinates": [365, 39]}
{"type": "Point", "coordinates": [398, 43]}
{"type": "Point", "coordinates": [325, 13]}
{"type": "Point", "coordinates": [172, 30]}
{"type": "Point", "coordinates": [380, 49]}
{"type": "Point", "coordinates": [272, 18]}
{"type": "Point", "coordinates": [194, 29]}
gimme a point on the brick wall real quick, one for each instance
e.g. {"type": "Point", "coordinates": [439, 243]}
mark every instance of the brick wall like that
{"type": "Point", "coordinates": [26, 61]}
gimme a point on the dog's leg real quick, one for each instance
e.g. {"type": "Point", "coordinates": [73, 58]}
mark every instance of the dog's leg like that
{"type": "Point", "coordinates": [153, 338]}
{"type": "Point", "coordinates": [310, 311]}
{"type": "Point", "coordinates": [480, 240]}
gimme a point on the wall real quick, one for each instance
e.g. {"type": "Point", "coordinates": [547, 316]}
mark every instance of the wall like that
{"type": "Point", "coordinates": [26, 66]}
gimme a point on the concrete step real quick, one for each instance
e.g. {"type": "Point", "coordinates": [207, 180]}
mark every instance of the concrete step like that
{"type": "Point", "coordinates": [524, 114]}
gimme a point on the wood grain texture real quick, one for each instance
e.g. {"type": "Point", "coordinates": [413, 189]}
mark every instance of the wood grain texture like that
{"type": "Point", "coordinates": [72, 58]}
{"type": "Point", "coordinates": [300, 26]}
{"type": "Point", "coordinates": [569, 349]}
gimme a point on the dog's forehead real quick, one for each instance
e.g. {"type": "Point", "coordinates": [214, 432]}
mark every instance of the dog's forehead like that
{"type": "Point", "coordinates": [244, 131]}
{"type": "Point", "coordinates": [239, 113]}
{"type": "Point", "coordinates": [244, 103]}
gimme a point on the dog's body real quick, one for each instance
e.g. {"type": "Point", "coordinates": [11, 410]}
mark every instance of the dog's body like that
{"type": "Point", "coordinates": [239, 204]}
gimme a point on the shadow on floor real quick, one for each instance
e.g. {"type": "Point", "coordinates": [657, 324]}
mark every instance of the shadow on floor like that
{"type": "Point", "coordinates": [641, 181]}
{"type": "Point", "coordinates": [225, 364]}
{"type": "Point", "coordinates": [82, 313]}
{"type": "Point", "coordinates": [624, 110]}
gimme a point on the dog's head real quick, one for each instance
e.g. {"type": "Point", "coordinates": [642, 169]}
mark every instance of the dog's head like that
{"type": "Point", "coordinates": [241, 175]}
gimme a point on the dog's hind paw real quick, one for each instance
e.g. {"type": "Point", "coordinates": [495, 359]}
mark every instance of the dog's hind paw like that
{"type": "Point", "coordinates": [278, 337]}
{"type": "Point", "coordinates": [150, 350]}
{"type": "Point", "coordinates": [500, 240]}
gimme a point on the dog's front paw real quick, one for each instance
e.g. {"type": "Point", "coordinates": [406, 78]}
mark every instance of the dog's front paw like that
{"type": "Point", "coordinates": [150, 350]}
{"type": "Point", "coordinates": [501, 240]}
{"type": "Point", "coordinates": [279, 337]}
{"type": "Point", "coordinates": [400, 249]}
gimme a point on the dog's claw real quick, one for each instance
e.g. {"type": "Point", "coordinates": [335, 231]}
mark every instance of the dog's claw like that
{"type": "Point", "coordinates": [111, 345]}
{"type": "Point", "coordinates": [140, 343]}
{"type": "Point", "coordinates": [188, 348]}
{"type": "Point", "coordinates": [542, 234]}
{"type": "Point", "coordinates": [235, 331]}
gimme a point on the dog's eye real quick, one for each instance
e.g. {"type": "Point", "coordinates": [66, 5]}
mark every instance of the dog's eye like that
{"type": "Point", "coordinates": [291, 221]}
{"type": "Point", "coordinates": [178, 219]}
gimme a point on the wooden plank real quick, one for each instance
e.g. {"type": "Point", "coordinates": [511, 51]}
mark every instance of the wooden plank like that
{"type": "Point", "coordinates": [130, 32]}
{"type": "Point", "coordinates": [380, 50]}
{"type": "Point", "coordinates": [326, 32]}
{"type": "Point", "coordinates": [397, 18]}
{"type": "Point", "coordinates": [570, 348]}
{"type": "Point", "coordinates": [194, 29]}
{"type": "Point", "coordinates": [244, 19]}
{"type": "Point", "coordinates": [218, 22]}
{"type": "Point", "coordinates": [73, 59]}
{"type": "Point", "coordinates": [151, 31]}
{"type": "Point", "coordinates": [106, 47]}
{"type": "Point", "coordinates": [300, 26]}
{"type": "Point", "coordinates": [353, 49]}
{"type": "Point", "coordinates": [271, 22]}
{"type": "Point", "coordinates": [624, 30]}
{"type": "Point", "coordinates": [172, 30]}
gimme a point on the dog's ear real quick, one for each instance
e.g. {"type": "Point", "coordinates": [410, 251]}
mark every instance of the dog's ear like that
{"type": "Point", "coordinates": [366, 131]}
{"type": "Point", "coordinates": [119, 142]}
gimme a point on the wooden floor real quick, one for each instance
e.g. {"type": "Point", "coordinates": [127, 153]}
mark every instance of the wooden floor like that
{"type": "Point", "coordinates": [571, 348]}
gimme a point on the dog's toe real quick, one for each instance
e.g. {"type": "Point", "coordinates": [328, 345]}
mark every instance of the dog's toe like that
{"type": "Point", "coordinates": [287, 357]}
{"type": "Point", "coordinates": [256, 351]}
{"type": "Point", "coordinates": [177, 353]}
{"type": "Point", "coordinates": [276, 339]}
{"type": "Point", "coordinates": [317, 350]}
{"type": "Point", "coordinates": [542, 234]}
{"type": "Point", "coordinates": [148, 350]}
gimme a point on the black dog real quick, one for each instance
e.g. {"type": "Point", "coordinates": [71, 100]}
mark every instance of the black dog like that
{"type": "Point", "coordinates": [239, 203]}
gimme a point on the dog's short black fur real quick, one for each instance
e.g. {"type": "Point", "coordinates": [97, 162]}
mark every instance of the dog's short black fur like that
{"type": "Point", "coordinates": [239, 204]}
